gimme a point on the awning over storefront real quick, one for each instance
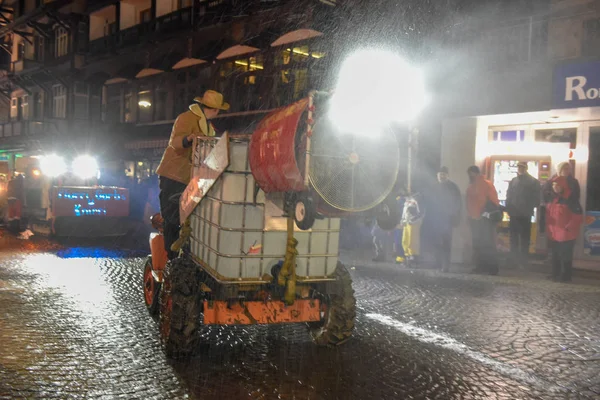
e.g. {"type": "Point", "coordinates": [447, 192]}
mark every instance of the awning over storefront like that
{"type": "Point", "coordinates": [296, 36]}
{"type": "Point", "coordinates": [237, 50]}
{"type": "Point", "coordinates": [187, 62]}
{"type": "Point", "coordinates": [112, 81]}
{"type": "Point", "coordinates": [148, 72]}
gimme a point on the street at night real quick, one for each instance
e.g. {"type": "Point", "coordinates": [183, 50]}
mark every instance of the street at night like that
{"type": "Point", "coordinates": [307, 199]}
{"type": "Point", "coordinates": [73, 325]}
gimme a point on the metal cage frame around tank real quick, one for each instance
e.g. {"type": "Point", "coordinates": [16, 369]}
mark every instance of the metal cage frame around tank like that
{"type": "Point", "coordinates": [207, 251]}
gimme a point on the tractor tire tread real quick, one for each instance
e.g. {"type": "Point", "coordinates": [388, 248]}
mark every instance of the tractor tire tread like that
{"type": "Point", "coordinates": [338, 327]}
{"type": "Point", "coordinates": [183, 337]}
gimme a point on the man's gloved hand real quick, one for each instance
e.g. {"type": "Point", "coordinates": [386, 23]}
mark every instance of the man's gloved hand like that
{"type": "Point", "coordinates": [188, 141]}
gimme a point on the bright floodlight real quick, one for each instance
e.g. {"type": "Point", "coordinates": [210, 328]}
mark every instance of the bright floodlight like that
{"type": "Point", "coordinates": [85, 167]}
{"type": "Point", "coordinates": [53, 165]}
{"type": "Point", "coordinates": [376, 87]}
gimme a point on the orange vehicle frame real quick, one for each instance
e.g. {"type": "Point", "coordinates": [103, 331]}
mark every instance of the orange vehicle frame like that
{"type": "Point", "coordinates": [261, 312]}
{"type": "Point", "coordinates": [159, 254]}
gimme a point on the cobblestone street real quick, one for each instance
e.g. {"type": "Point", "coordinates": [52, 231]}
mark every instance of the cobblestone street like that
{"type": "Point", "coordinates": [73, 325]}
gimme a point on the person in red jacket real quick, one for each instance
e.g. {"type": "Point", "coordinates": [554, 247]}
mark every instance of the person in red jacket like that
{"type": "Point", "coordinates": [564, 217]}
{"type": "Point", "coordinates": [482, 202]}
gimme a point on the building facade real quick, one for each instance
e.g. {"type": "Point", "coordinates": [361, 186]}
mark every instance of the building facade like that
{"type": "Point", "coordinates": [526, 89]}
{"type": "Point", "coordinates": [109, 77]}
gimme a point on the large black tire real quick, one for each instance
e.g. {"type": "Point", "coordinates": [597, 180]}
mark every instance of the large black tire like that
{"type": "Point", "coordinates": [180, 309]}
{"type": "Point", "coordinates": [338, 324]}
{"type": "Point", "coordinates": [151, 289]}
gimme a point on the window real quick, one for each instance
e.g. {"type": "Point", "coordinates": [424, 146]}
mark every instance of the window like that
{"type": "Point", "coordinates": [297, 65]}
{"type": "Point", "coordinates": [145, 16]}
{"type": "Point", "coordinates": [113, 103]}
{"type": "Point", "coordinates": [539, 40]}
{"type": "Point", "coordinates": [40, 45]}
{"type": "Point", "coordinates": [15, 109]}
{"type": "Point", "coordinates": [145, 106]}
{"type": "Point", "coordinates": [25, 107]}
{"type": "Point", "coordinates": [128, 114]}
{"type": "Point", "coordinates": [29, 52]}
{"type": "Point", "coordinates": [160, 111]}
{"type": "Point", "coordinates": [21, 50]}
{"type": "Point", "coordinates": [61, 42]}
{"type": "Point", "coordinates": [568, 135]}
{"type": "Point", "coordinates": [80, 103]}
{"type": "Point", "coordinates": [591, 37]}
{"type": "Point", "coordinates": [59, 101]}
{"type": "Point", "coordinates": [240, 80]}
{"type": "Point", "coordinates": [111, 29]}
{"type": "Point", "coordinates": [508, 136]}
{"type": "Point", "coordinates": [37, 105]}
{"type": "Point", "coordinates": [183, 4]}
{"type": "Point", "coordinates": [96, 103]}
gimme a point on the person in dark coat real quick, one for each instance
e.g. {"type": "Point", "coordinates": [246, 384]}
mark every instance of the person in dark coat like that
{"type": "Point", "coordinates": [444, 214]}
{"type": "Point", "coordinates": [522, 197]}
{"type": "Point", "coordinates": [564, 217]}
{"type": "Point", "coordinates": [16, 199]}
{"type": "Point", "coordinates": [380, 243]}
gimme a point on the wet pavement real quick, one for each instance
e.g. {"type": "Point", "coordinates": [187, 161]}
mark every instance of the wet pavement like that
{"type": "Point", "coordinates": [73, 325]}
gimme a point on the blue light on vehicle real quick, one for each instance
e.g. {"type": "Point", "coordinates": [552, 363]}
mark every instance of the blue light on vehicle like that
{"type": "Point", "coordinates": [87, 203]}
{"type": "Point", "coordinates": [87, 211]}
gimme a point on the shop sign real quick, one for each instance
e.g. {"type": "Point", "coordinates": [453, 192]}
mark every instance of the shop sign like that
{"type": "Point", "coordinates": [577, 85]}
{"type": "Point", "coordinates": [591, 233]}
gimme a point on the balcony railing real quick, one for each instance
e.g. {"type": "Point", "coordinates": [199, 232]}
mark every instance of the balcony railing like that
{"type": "Point", "coordinates": [48, 58]}
{"type": "Point", "coordinates": [206, 13]}
{"type": "Point", "coordinates": [174, 21]}
{"type": "Point", "coordinates": [169, 23]}
{"type": "Point", "coordinates": [103, 44]}
{"type": "Point", "coordinates": [27, 128]}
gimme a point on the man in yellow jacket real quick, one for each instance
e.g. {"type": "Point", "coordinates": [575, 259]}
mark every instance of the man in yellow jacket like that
{"type": "Point", "coordinates": [176, 165]}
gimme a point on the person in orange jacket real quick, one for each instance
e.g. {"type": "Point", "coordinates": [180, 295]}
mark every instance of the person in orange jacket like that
{"type": "Point", "coordinates": [176, 165]}
{"type": "Point", "coordinates": [483, 212]}
{"type": "Point", "coordinates": [564, 217]}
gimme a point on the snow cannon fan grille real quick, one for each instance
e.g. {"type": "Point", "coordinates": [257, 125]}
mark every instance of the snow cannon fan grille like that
{"type": "Point", "coordinates": [351, 172]}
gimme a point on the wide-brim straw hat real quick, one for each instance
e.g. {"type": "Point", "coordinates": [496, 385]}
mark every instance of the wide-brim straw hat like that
{"type": "Point", "coordinates": [212, 99]}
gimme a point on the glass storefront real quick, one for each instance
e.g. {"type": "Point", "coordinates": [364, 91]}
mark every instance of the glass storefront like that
{"type": "Point", "coordinates": [543, 147]}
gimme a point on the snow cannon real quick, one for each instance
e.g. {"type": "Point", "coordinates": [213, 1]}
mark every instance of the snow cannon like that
{"type": "Point", "coordinates": [317, 169]}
